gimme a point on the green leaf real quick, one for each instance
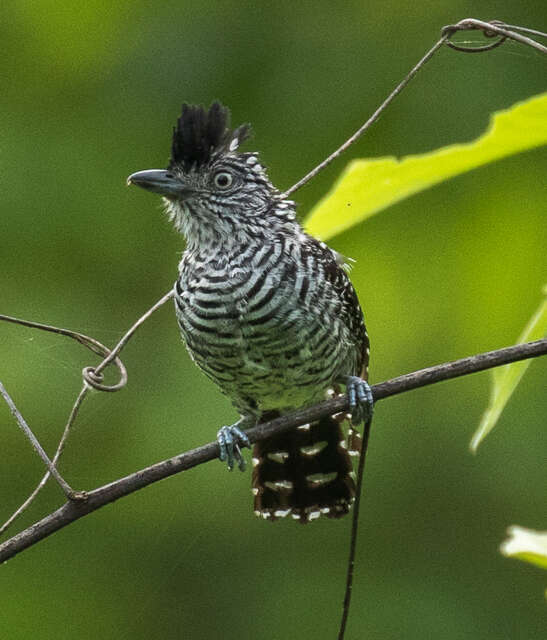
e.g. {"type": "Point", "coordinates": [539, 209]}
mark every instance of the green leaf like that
{"type": "Point", "coordinates": [527, 545]}
{"type": "Point", "coordinates": [505, 379]}
{"type": "Point", "coordinates": [368, 186]}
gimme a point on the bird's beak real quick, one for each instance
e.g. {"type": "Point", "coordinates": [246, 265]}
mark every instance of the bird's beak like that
{"type": "Point", "coordinates": [158, 181]}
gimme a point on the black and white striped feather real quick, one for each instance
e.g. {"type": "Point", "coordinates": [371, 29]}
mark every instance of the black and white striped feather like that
{"type": "Point", "coordinates": [267, 312]}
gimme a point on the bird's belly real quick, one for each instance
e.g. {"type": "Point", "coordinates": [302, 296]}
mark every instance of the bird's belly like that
{"type": "Point", "coordinates": [270, 364]}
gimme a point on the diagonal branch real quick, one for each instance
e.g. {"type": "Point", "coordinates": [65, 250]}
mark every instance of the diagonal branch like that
{"type": "Point", "coordinates": [97, 498]}
{"type": "Point", "coordinates": [60, 447]}
{"type": "Point", "coordinates": [495, 27]}
{"type": "Point", "coordinates": [93, 378]}
{"type": "Point", "coordinates": [35, 442]}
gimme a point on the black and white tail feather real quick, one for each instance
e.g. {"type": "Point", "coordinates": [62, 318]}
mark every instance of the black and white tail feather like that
{"type": "Point", "coordinates": [306, 473]}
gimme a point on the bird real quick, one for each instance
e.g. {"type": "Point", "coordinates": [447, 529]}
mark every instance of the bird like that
{"type": "Point", "coordinates": [267, 312]}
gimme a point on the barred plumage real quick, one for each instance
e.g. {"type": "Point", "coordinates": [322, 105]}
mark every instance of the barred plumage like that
{"type": "Point", "coordinates": [266, 311]}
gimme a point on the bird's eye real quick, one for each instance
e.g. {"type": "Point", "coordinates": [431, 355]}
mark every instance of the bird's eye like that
{"type": "Point", "coordinates": [223, 180]}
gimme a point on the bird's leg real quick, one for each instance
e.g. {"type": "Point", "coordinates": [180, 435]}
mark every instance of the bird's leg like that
{"type": "Point", "coordinates": [231, 439]}
{"type": "Point", "coordinates": [361, 401]}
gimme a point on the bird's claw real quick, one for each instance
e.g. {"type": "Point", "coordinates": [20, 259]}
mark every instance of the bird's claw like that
{"type": "Point", "coordinates": [230, 440]}
{"type": "Point", "coordinates": [360, 399]}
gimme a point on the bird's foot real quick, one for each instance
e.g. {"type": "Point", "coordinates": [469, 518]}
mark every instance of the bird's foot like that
{"type": "Point", "coordinates": [361, 401]}
{"type": "Point", "coordinates": [230, 440]}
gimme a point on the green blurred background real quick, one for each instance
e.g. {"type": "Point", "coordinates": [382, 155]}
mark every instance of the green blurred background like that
{"type": "Point", "coordinates": [90, 93]}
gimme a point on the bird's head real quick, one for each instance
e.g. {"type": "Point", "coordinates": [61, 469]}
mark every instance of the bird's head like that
{"type": "Point", "coordinates": [210, 189]}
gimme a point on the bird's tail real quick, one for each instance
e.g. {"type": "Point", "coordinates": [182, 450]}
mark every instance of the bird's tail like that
{"type": "Point", "coordinates": [306, 472]}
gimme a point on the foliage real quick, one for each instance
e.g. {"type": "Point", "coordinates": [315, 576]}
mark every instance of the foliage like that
{"type": "Point", "coordinates": [527, 545]}
{"type": "Point", "coordinates": [368, 186]}
{"type": "Point", "coordinates": [505, 379]}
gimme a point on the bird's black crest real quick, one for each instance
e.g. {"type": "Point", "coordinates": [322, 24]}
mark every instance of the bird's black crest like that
{"type": "Point", "coordinates": [201, 134]}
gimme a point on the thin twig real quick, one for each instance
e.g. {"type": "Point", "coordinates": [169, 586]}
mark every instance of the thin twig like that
{"type": "Point", "coordinates": [97, 498]}
{"type": "Point", "coordinates": [497, 27]}
{"type": "Point", "coordinates": [26, 504]}
{"type": "Point", "coordinates": [90, 343]}
{"type": "Point", "coordinates": [369, 122]}
{"type": "Point", "coordinates": [534, 32]}
{"type": "Point", "coordinates": [354, 529]}
{"type": "Point", "coordinates": [447, 32]}
{"type": "Point", "coordinates": [67, 489]}
{"type": "Point", "coordinates": [93, 375]}
{"type": "Point", "coordinates": [92, 378]}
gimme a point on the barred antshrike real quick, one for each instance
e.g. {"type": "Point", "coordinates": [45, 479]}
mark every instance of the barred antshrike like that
{"type": "Point", "coordinates": [267, 312]}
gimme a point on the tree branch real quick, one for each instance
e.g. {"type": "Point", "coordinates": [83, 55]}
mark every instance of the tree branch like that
{"type": "Point", "coordinates": [92, 378]}
{"type": "Point", "coordinates": [74, 510]}
{"type": "Point", "coordinates": [35, 442]}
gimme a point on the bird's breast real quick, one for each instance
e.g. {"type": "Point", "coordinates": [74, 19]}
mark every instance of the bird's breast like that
{"type": "Point", "coordinates": [253, 330]}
